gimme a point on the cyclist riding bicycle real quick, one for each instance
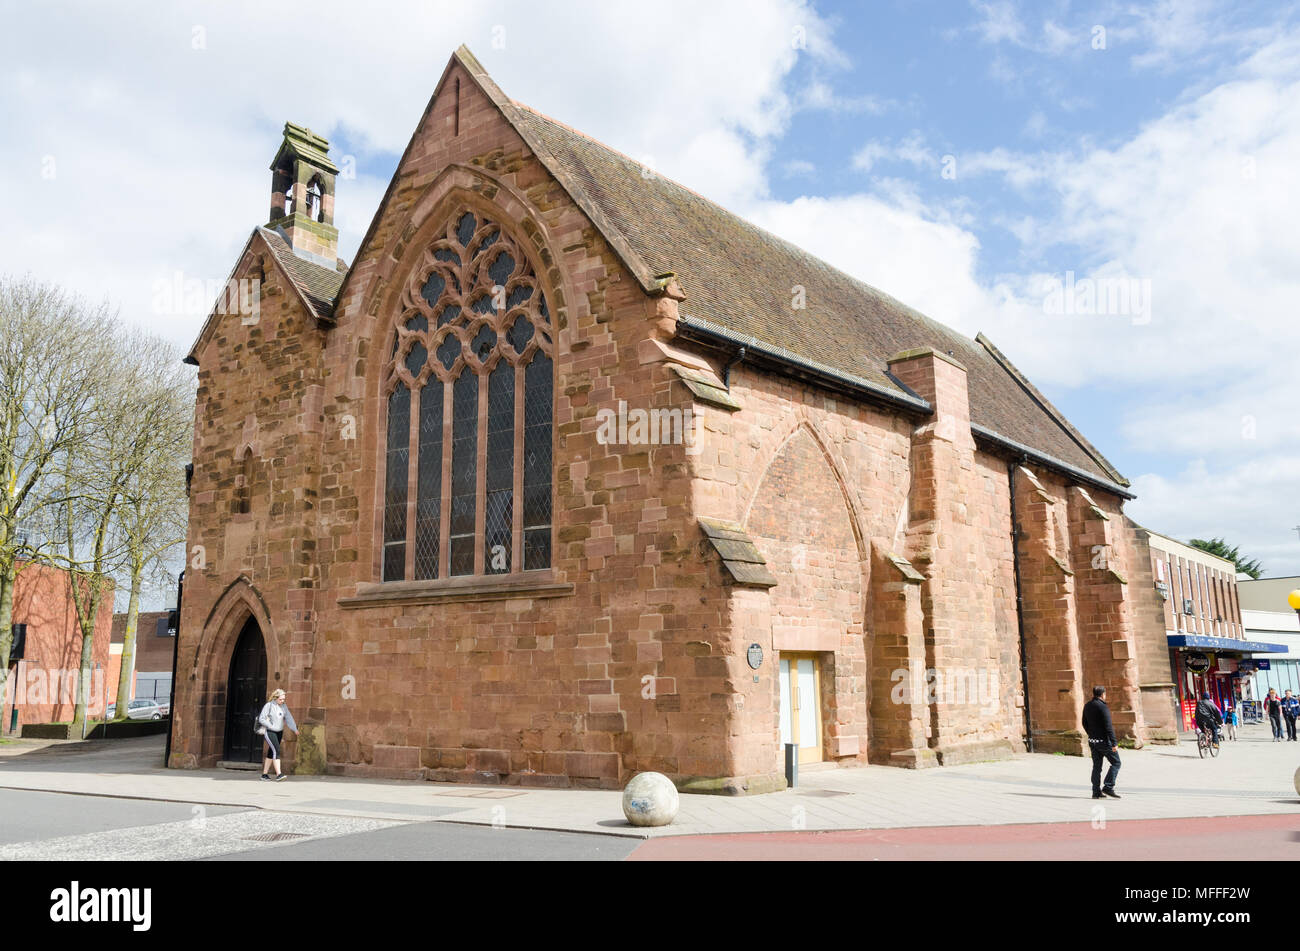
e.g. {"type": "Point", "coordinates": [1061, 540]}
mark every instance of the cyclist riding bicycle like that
{"type": "Point", "coordinates": [1208, 717]}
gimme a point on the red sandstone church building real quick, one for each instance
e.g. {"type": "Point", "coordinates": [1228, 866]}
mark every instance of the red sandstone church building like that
{"type": "Point", "coordinates": [573, 474]}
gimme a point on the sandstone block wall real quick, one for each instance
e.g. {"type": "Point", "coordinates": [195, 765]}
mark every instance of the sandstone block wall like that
{"type": "Point", "coordinates": [889, 537]}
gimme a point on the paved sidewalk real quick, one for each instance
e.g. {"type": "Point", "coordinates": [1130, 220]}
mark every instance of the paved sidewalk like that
{"type": "Point", "coordinates": [1252, 776]}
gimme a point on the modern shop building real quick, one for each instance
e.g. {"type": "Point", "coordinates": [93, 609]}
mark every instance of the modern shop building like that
{"type": "Point", "coordinates": [1210, 648]}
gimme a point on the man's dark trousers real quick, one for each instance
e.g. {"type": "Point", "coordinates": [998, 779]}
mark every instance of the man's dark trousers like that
{"type": "Point", "coordinates": [1100, 753]}
{"type": "Point", "coordinates": [1290, 727]}
{"type": "Point", "coordinates": [1275, 722]}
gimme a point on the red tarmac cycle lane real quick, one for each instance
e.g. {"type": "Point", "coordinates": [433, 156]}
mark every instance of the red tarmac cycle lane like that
{"type": "Point", "coordinates": [1256, 837]}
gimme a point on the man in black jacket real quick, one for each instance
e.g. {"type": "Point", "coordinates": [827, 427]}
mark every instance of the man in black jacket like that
{"type": "Point", "coordinates": [1102, 742]}
{"type": "Point", "coordinates": [1208, 717]}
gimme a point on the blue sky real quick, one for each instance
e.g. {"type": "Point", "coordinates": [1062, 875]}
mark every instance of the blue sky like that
{"type": "Point", "coordinates": [1167, 156]}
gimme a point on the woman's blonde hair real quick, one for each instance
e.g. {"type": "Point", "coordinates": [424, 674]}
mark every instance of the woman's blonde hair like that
{"type": "Point", "coordinates": [277, 694]}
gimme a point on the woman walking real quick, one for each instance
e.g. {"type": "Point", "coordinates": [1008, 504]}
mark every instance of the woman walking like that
{"type": "Point", "coordinates": [275, 716]}
{"type": "Point", "coordinates": [1273, 704]}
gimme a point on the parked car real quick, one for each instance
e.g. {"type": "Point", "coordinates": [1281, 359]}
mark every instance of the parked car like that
{"type": "Point", "coordinates": [140, 710]}
{"type": "Point", "coordinates": [164, 707]}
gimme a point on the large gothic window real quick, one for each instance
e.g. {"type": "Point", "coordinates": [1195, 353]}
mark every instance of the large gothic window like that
{"type": "Point", "coordinates": [467, 484]}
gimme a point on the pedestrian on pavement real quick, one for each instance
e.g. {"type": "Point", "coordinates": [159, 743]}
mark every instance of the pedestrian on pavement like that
{"type": "Point", "coordinates": [1101, 741]}
{"type": "Point", "coordinates": [1230, 721]}
{"type": "Point", "coordinates": [275, 716]}
{"type": "Point", "coordinates": [1290, 710]}
{"type": "Point", "coordinates": [1273, 704]}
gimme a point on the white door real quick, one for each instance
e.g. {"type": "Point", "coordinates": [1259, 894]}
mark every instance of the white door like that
{"type": "Point", "coordinates": [801, 720]}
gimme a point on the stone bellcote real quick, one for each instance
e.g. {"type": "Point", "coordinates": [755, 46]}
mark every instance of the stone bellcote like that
{"type": "Point", "coordinates": [302, 195]}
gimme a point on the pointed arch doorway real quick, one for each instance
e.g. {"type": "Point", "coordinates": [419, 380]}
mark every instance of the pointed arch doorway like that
{"type": "Point", "coordinates": [245, 695]}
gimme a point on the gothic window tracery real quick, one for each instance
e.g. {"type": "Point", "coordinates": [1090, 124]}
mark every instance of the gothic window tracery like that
{"type": "Point", "coordinates": [469, 392]}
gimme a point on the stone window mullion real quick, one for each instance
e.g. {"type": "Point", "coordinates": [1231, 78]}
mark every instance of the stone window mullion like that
{"type": "Point", "coordinates": [412, 484]}
{"type": "Point", "coordinates": [480, 487]}
{"type": "Point", "coordinates": [444, 521]}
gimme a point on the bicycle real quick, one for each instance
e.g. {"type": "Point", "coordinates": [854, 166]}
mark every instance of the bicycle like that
{"type": "Point", "coordinates": [1207, 743]}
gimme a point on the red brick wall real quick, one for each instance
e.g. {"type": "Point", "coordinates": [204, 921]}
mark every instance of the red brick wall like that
{"type": "Point", "coordinates": [153, 653]}
{"type": "Point", "coordinates": [42, 600]}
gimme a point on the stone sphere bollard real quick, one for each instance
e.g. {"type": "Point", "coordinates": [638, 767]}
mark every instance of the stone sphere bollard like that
{"type": "Point", "coordinates": [650, 799]}
{"type": "Point", "coordinates": [1297, 784]}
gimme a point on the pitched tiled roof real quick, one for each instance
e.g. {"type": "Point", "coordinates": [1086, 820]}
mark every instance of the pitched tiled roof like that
{"type": "Point", "coordinates": [739, 277]}
{"type": "Point", "coordinates": [319, 285]}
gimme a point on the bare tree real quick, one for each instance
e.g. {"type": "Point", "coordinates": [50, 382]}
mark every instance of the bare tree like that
{"type": "Point", "coordinates": [152, 517]}
{"type": "Point", "coordinates": [134, 424]}
{"type": "Point", "coordinates": [53, 362]}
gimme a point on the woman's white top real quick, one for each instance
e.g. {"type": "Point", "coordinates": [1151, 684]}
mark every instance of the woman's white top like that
{"type": "Point", "coordinates": [274, 716]}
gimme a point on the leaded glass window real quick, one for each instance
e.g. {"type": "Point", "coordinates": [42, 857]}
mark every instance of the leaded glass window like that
{"type": "Point", "coordinates": [398, 458]}
{"type": "Point", "coordinates": [469, 387]}
{"type": "Point", "coordinates": [428, 504]}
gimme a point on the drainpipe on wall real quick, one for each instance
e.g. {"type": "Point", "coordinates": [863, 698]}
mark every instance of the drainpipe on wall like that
{"type": "Point", "coordinates": [726, 371]}
{"type": "Point", "coordinates": [171, 703]}
{"type": "Point", "coordinates": [1020, 601]}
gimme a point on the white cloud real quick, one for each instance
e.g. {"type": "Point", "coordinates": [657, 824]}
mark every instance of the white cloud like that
{"type": "Point", "coordinates": [1201, 202]}
{"type": "Point", "coordinates": [1237, 502]}
{"type": "Point", "coordinates": [1178, 33]}
{"type": "Point", "coordinates": [821, 95]}
{"type": "Point", "coordinates": [1057, 39]}
{"type": "Point", "coordinates": [798, 168]}
{"type": "Point", "coordinates": [999, 22]}
{"type": "Point", "coordinates": [911, 150]}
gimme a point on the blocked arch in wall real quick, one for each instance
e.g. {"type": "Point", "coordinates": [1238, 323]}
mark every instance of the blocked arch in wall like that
{"type": "Point", "coordinates": [238, 603]}
{"type": "Point", "coordinates": [777, 446]}
{"type": "Point", "coordinates": [837, 632]}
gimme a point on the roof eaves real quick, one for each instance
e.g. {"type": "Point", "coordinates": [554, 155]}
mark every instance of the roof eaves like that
{"type": "Point", "coordinates": [705, 331]}
{"type": "Point", "coordinates": [1049, 461]}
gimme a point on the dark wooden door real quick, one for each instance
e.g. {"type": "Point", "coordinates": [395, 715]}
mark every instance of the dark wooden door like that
{"type": "Point", "coordinates": [245, 695]}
